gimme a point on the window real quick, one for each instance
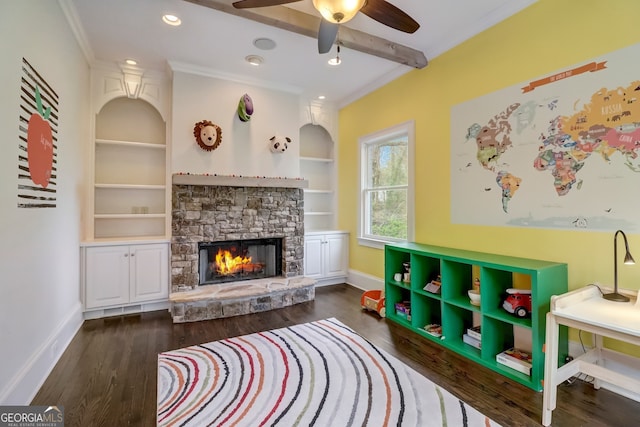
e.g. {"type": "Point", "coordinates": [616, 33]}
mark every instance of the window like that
{"type": "Point", "coordinates": [386, 186]}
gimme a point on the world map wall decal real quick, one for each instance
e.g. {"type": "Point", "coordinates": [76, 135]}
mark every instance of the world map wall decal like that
{"type": "Point", "coordinates": [37, 141]}
{"type": "Point", "coordinates": [561, 151]}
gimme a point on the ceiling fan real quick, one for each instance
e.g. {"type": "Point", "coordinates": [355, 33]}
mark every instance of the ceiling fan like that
{"type": "Point", "coordinates": [336, 12]}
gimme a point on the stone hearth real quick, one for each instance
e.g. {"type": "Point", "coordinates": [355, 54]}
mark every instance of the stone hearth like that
{"type": "Point", "coordinates": [235, 299]}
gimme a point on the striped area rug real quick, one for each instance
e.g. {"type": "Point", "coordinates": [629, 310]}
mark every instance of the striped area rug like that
{"type": "Point", "coordinates": [315, 374]}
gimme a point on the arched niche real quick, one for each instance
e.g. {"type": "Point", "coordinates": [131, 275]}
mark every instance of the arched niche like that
{"type": "Point", "coordinates": [126, 119]}
{"type": "Point", "coordinates": [316, 142]}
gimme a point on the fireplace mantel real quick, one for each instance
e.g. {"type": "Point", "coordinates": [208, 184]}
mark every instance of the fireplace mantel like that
{"type": "Point", "coordinates": [239, 181]}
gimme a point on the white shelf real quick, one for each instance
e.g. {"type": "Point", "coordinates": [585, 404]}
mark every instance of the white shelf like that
{"type": "Point", "coordinates": [132, 186]}
{"type": "Point", "coordinates": [129, 216]}
{"type": "Point", "coordinates": [130, 144]}
{"type": "Point", "coordinates": [313, 191]}
{"type": "Point", "coordinates": [318, 213]}
{"type": "Point", "coordinates": [316, 159]}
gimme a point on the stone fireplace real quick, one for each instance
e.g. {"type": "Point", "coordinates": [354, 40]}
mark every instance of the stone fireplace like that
{"type": "Point", "coordinates": [212, 210]}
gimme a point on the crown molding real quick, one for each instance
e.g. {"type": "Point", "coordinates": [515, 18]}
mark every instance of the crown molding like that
{"type": "Point", "coordinates": [233, 77]}
{"type": "Point", "coordinates": [71, 14]}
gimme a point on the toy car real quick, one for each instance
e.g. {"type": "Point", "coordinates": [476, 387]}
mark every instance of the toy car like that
{"type": "Point", "coordinates": [518, 302]}
{"type": "Point", "coordinates": [373, 301]}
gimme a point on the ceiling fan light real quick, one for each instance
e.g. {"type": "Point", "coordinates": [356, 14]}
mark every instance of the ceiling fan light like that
{"type": "Point", "coordinates": [338, 11]}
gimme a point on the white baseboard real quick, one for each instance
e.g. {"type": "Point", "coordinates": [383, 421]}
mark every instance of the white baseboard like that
{"type": "Point", "coordinates": [27, 381]}
{"type": "Point", "coordinates": [126, 309]}
{"type": "Point", "coordinates": [364, 281]}
{"type": "Point", "coordinates": [331, 281]}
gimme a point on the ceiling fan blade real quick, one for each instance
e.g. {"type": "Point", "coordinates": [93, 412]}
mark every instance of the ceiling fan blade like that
{"type": "Point", "coordinates": [326, 35]}
{"type": "Point", "coordinates": [389, 15]}
{"type": "Point", "coordinates": [248, 4]}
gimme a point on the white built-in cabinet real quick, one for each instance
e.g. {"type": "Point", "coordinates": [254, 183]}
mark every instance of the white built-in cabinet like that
{"type": "Point", "coordinates": [119, 275]}
{"type": "Point", "coordinates": [326, 256]}
{"type": "Point", "coordinates": [127, 227]}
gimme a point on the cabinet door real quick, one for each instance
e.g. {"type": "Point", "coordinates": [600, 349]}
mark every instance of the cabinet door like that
{"type": "Point", "coordinates": [106, 276]}
{"type": "Point", "coordinates": [149, 272]}
{"type": "Point", "coordinates": [313, 256]}
{"type": "Point", "coordinates": [335, 255]}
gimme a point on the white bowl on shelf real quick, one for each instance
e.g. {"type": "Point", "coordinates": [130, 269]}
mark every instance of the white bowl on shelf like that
{"type": "Point", "coordinates": [474, 297]}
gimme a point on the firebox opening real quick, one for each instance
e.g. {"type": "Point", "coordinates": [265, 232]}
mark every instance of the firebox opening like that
{"type": "Point", "coordinates": [235, 260]}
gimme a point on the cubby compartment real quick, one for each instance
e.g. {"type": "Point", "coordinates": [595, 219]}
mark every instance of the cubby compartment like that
{"type": "Point", "coordinates": [429, 313]}
{"type": "Point", "coordinates": [500, 339]}
{"type": "Point", "coordinates": [494, 289]}
{"type": "Point", "coordinates": [451, 308]}
{"type": "Point", "coordinates": [394, 265]}
{"type": "Point", "coordinates": [397, 295]}
{"type": "Point", "coordinates": [424, 269]}
{"type": "Point", "coordinates": [510, 336]}
{"type": "Point", "coordinates": [456, 321]}
{"type": "Point", "coordinates": [457, 278]}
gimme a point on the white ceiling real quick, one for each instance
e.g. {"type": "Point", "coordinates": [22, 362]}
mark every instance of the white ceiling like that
{"type": "Point", "coordinates": [216, 43]}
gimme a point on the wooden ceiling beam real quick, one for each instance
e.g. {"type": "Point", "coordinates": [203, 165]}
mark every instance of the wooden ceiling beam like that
{"type": "Point", "coordinates": [302, 23]}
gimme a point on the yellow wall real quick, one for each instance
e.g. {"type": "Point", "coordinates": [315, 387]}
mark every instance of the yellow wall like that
{"type": "Point", "coordinates": [545, 37]}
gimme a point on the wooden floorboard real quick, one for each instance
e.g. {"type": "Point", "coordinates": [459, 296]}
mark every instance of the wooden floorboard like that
{"type": "Point", "coordinates": [108, 374]}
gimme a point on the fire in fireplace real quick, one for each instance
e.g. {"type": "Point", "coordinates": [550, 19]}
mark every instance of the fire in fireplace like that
{"type": "Point", "coordinates": [235, 260]}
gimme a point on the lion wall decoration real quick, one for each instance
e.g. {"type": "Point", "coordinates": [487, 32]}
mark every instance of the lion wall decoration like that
{"type": "Point", "coordinates": [208, 135]}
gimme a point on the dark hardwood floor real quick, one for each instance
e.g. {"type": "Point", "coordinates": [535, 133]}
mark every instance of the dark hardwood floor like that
{"type": "Point", "coordinates": [107, 375]}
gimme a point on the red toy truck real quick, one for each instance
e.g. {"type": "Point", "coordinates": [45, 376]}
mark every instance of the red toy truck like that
{"type": "Point", "coordinates": [518, 302]}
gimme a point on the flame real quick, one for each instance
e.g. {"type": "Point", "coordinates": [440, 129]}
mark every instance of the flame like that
{"type": "Point", "coordinates": [228, 264]}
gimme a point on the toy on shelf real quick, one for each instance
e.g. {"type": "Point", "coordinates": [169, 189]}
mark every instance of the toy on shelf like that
{"type": "Point", "coordinates": [373, 301]}
{"type": "Point", "coordinates": [474, 293]}
{"type": "Point", "coordinates": [518, 302]}
{"type": "Point", "coordinates": [403, 310]}
{"type": "Point", "coordinates": [434, 285]}
{"type": "Point", "coordinates": [434, 329]}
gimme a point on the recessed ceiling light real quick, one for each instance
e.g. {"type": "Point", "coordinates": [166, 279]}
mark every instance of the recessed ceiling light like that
{"type": "Point", "coordinates": [321, 97]}
{"type": "Point", "coordinates": [254, 60]}
{"type": "Point", "coordinates": [131, 61]}
{"type": "Point", "coordinates": [171, 20]}
{"type": "Point", "coordinates": [264, 43]}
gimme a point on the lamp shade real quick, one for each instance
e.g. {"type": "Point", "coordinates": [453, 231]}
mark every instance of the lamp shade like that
{"type": "Point", "coordinates": [338, 11]}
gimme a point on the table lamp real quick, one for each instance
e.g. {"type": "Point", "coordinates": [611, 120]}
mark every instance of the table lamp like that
{"type": "Point", "coordinates": [628, 259]}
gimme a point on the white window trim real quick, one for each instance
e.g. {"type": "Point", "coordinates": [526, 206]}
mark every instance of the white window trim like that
{"type": "Point", "coordinates": [407, 128]}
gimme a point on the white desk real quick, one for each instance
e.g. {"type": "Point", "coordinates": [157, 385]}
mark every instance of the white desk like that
{"type": "Point", "coordinates": [585, 309]}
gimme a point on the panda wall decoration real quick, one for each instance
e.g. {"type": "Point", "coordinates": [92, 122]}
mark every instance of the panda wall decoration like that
{"type": "Point", "coordinates": [279, 144]}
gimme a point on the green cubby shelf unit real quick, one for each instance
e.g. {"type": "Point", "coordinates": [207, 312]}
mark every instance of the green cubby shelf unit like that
{"type": "Point", "coordinates": [452, 309]}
